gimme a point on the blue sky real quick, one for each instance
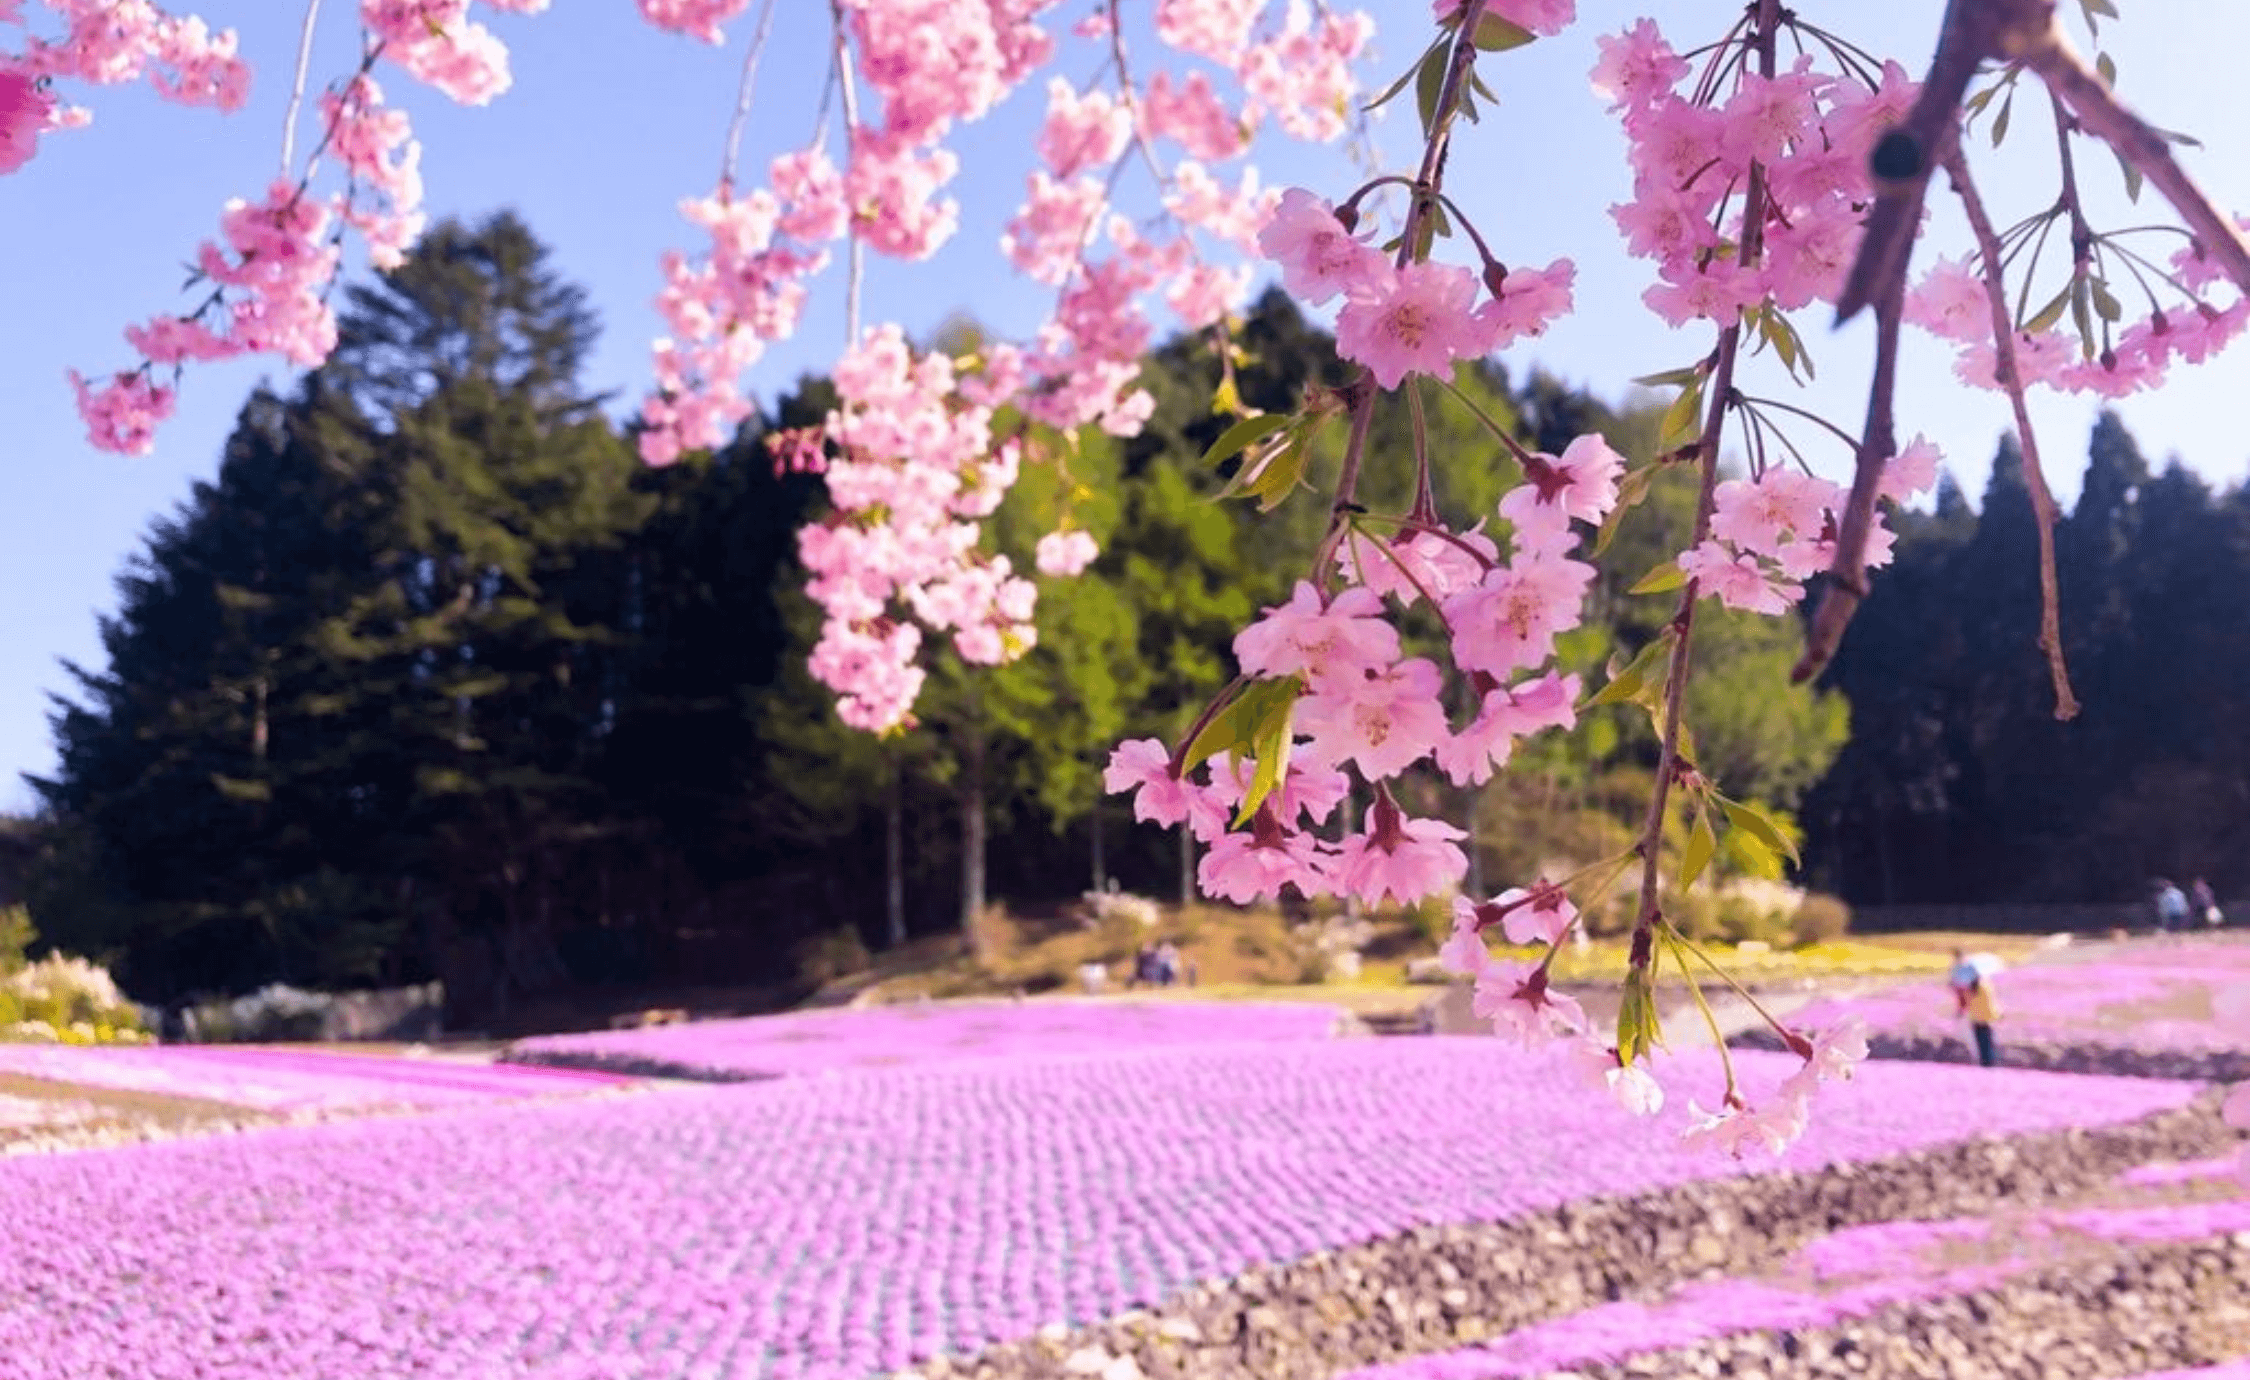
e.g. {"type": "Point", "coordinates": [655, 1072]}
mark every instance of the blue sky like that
{"type": "Point", "coordinates": [611, 123]}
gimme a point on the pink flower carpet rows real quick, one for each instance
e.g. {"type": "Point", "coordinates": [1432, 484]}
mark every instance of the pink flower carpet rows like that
{"type": "Point", "coordinates": [805, 1042]}
{"type": "Point", "coordinates": [815, 1228]}
{"type": "Point", "coordinates": [1847, 1275]}
{"type": "Point", "coordinates": [290, 1080]}
{"type": "Point", "coordinates": [2164, 997]}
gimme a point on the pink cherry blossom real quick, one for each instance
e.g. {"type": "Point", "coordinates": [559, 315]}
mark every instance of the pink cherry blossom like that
{"type": "Point", "coordinates": [1383, 719]}
{"type": "Point", "coordinates": [1319, 258]}
{"type": "Point", "coordinates": [1065, 553]}
{"type": "Point", "coordinates": [1316, 638]}
{"type": "Point", "coordinates": [1418, 322]}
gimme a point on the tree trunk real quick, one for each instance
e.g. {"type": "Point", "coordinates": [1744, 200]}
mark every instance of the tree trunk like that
{"type": "Point", "coordinates": [972, 838]}
{"type": "Point", "coordinates": [1101, 871]}
{"type": "Point", "coordinates": [1476, 853]}
{"type": "Point", "coordinates": [894, 856]}
{"type": "Point", "coordinates": [1351, 826]}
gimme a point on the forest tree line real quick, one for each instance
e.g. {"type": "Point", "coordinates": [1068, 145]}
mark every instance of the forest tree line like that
{"type": "Point", "coordinates": [435, 679]}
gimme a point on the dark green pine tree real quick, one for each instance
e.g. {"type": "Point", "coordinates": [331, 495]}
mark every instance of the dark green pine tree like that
{"type": "Point", "coordinates": [211, 844]}
{"type": "Point", "coordinates": [482, 653]}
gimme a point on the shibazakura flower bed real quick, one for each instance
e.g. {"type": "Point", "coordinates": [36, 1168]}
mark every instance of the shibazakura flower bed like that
{"type": "Point", "coordinates": [806, 1042]}
{"type": "Point", "coordinates": [1855, 1273]}
{"type": "Point", "coordinates": [2165, 1001]}
{"type": "Point", "coordinates": [279, 1079]}
{"type": "Point", "coordinates": [832, 1227]}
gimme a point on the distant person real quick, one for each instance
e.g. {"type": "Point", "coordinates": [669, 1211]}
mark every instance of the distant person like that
{"type": "Point", "coordinates": [1167, 964]}
{"type": "Point", "coordinates": [2206, 903]}
{"type": "Point", "coordinates": [1972, 995]}
{"type": "Point", "coordinates": [2171, 907]}
{"type": "Point", "coordinates": [1144, 965]}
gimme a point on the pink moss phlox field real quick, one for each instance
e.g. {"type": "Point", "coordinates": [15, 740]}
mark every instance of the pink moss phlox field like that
{"type": "Point", "coordinates": [2158, 997]}
{"type": "Point", "coordinates": [809, 1042]}
{"type": "Point", "coordinates": [2188, 1171]}
{"type": "Point", "coordinates": [1845, 1275]}
{"type": "Point", "coordinates": [818, 1228]}
{"type": "Point", "coordinates": [279, 1079]}
{"type": "Point", "coordinates": [2226, 1370]}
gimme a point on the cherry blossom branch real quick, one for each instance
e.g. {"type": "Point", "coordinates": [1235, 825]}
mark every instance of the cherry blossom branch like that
{"type": "Point", "coordinates": [1847, 573]}
{"type": "Point", "coordinates": [856, 256]}
{"type": "Point", "coordinates": [1421, 199]}
{"type": "Point", "coordinates": [297, 88]}
{"type": "Point", "coordinates": [1768, 20]}
{"type": "Point", "coordinates": [2140, 144]}
{"type": "Point", "coordinates": [1129, 93]}
{"type": "Point", "coordinates": [743, 97]}
{"type": "Point", "coordinates": [2034, 477]}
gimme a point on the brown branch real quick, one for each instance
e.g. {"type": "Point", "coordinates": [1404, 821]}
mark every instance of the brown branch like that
{"type": "Point", "coordinates": [1768, 22]}
{"type": "Point", "coordinates": [1422, 198]}
{"type": "Point", "coordinates": [2139, 143]}
{"type": "Point", "coordinates": [2034, 478]}
{"type": "Point", "coordinates": [1847, 574]}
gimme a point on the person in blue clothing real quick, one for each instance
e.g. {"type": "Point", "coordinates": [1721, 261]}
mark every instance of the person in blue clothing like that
{"type": "Point", "coordinates": [2171, 907]}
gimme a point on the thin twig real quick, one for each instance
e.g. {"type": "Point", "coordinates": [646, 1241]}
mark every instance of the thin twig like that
{"type": "Point", "coordinates": [2034, 478]}
{"type": "Point", "coordinates": [2140, 144]}
{"type": "Point", "coordinates": [297, 88]}
{"type": "Point", "coordinates": [856, 256]}
{"type": "Point", "coordinates": [1768, 20]}
{"type": "Point", "coordinates": [1878, 442]}
{"type": "Point", "coordinates": [743, 96]}
{"type": "Point", "coordinates": [1421, 200]}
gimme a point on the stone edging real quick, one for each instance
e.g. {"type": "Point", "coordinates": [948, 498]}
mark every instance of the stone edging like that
{"type": "Point", "coordinates": [1441, 1288]}
{"type": "Point", "coordinates": [2058, 1056]}
{"type": "Point", "coordinates": [2153, 1307]}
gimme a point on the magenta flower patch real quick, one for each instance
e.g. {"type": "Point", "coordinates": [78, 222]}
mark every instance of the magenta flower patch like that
{"type": "Point", "coordinates": [804, 1042]}
{"type": "Point", "coordinates": [2159, 997]}
{"type": "Point", "coordinates": [1845, 1275]}
{"type": "Point", "coordinates": [281, 1079]}
{"type": "Point", "coordinates": [823, 1228]}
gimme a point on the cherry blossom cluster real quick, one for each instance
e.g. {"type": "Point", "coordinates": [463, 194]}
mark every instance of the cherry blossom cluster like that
{"type": "Point", "coordinates": [1807, 131]}
{"type": "Point", "coordinates": [1416, 319]}
{"type": "Point", "coordinates": [1356, 701]}
{"type": "Point", "coordinates": [914, 470]}
{"type": "Point", "coordinates": [1515, 996]}
{"type": "Point", "coordinates": [932, 65]}
{"type": "Point", "coordinates": [268, 275]}
{"type": "Point", "coordinates": [2205, 315]}
{"type": "Point", "coordinates": [1771, 533]}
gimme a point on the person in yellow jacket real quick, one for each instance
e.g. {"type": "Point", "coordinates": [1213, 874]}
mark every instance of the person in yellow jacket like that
{"type": "Point", "coordinates": [1972, 993]}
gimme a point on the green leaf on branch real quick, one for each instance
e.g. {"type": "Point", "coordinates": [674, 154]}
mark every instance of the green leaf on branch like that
{"type": "Point", "coordinates": [1702, 845]}
{"type": "Point", "coordinates": [1749, 855]}
{"type": "Point", "coordinates": [1497, 35]}
{"type": "Point", "coordinates": [2048, 315]}
{"type": "Point", "coordinates": [2132, 175]}
{"type": "Point", "coordinates": [1637, 1030]}
{"type": "Point", "coordinates": [1271, 748]}
{"type": "Point", "coordinates": [1630, 491]}
{"type": "Point", "coordinates": [2107, 66]}
{"type": "Point", "coordinates": [1404, 77]}
{"type": "Point", "coordinates": [1667, 576]}
{"type": "Point", "coordinates": [1757, 824]}
{"type": "Point", "coordinates": [1786, 343]}
{"type": "Point", "coordinates": [1672, 378]}
{"type": "Point", "coordinates": [1683, 420]}
{"type": "Point", "coordinates": [1257, 713]}
{"type": "Point", "coordinates": [1429, 84]}
{"type": "Point", "coordinates": [1628, 682]}
{"type": "Point", "coordinates": [2000, 122]}
{"type": "Point", "coordinates": [1242, 435]}
{"type": "Point", "coordinates": [2106, 305]}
